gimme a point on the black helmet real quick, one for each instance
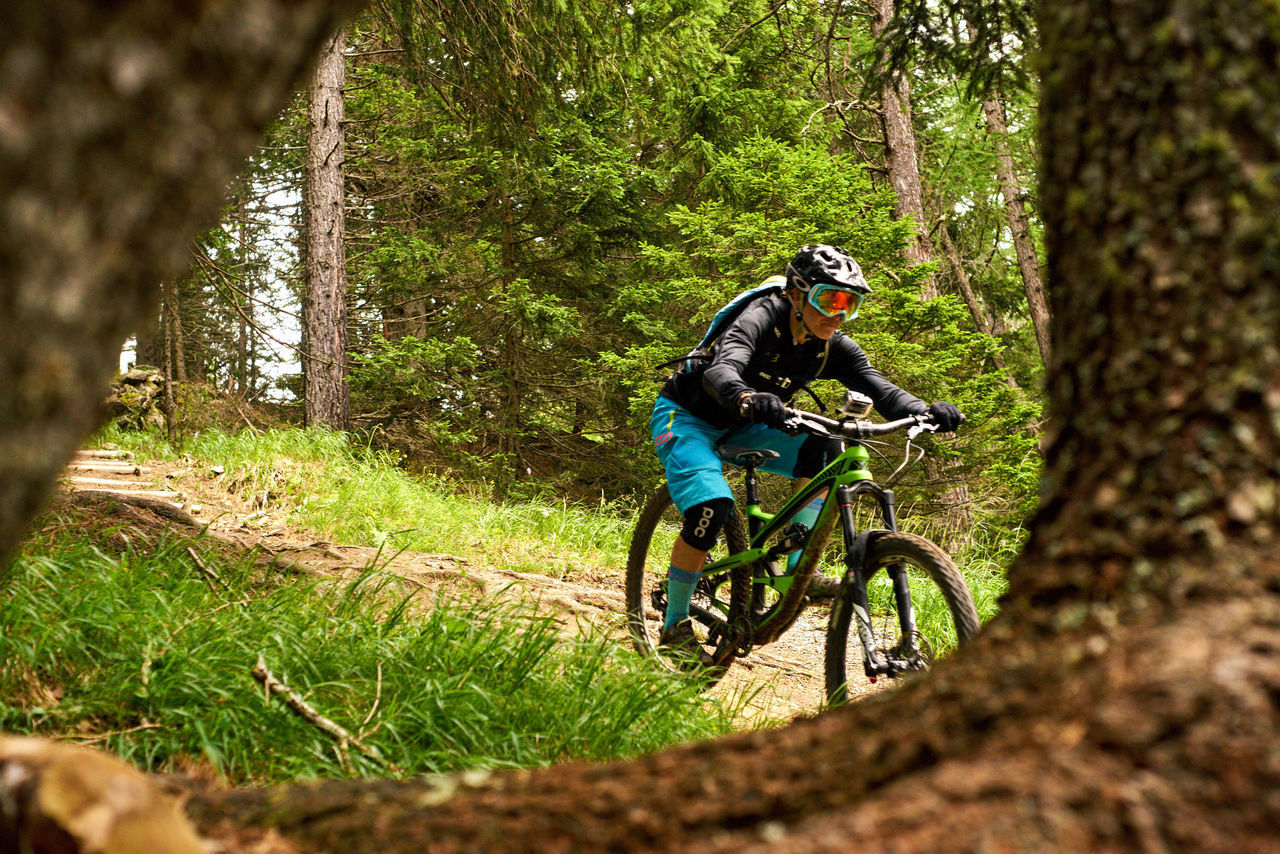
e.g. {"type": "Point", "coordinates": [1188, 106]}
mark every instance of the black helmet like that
{"type": "Point", "coordinates": [820, 264]}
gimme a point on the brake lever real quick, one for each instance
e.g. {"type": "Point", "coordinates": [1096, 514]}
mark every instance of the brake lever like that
{"type": "Point", "coordinates": [923, 427]}
{"type": "Point", "coordinates": [793, 424]}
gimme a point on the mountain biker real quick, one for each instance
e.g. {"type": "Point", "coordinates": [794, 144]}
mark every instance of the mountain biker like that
{"type": "Point", "coordinates": [735, 394]}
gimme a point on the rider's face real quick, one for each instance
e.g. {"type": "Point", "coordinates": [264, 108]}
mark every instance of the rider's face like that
{"type": "Point", "coordinates": [816, 323]}
{"type": "Point", "coordinates": [819, 324]}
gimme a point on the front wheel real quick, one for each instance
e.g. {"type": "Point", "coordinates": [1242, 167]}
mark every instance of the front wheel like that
{"type": "Point", "coordinates": [945, 615]}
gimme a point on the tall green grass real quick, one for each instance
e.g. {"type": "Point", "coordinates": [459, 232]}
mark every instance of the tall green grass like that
{"type": "Point", "coordinates": [139, 653]}
{"type": "Point", "coordinates": [984, 561]}
{"type": "Point", "coordinates": [346, 492]}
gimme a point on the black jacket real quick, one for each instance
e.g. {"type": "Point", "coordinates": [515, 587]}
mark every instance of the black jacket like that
{"type": "Point", "coordinates": [756, 353]}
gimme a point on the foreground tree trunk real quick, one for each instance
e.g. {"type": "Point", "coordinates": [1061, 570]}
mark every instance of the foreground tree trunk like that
{"type": "Point", "coordinates": [324, 358]}
{"type": "Point", "coordinates": [120, 124]}
{"type": "Point", "coordinates": [1126, 698]}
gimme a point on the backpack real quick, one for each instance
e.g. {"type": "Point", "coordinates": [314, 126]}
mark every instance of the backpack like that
{"type": "Point", "coordinates": [720, 322]}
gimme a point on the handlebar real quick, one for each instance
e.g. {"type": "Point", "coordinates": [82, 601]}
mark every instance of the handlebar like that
{"type": "Point", "coordinates": [799, 421]}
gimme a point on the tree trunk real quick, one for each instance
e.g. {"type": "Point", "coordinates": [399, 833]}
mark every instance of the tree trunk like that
{"type": "Point", "coordinates": [900, 156]}
{"type": "Point", "coordinates": [1019, 226]}
{"type": "Point", "coordinates": [241, 374]}
{"type": "Point", "coordinates": [325, 357]}
{"type": "Point", "coordinates": [122, 125]}
{"type": "Point", "coordinates": [170, 406]}
{"type": "Point", "coordinates": [149, 349]}
{"type": "Point", "coordinates": [982, 318]}
{"type": "Point", "coordinates": [175, 343]}
{"type": "Point", "coordinates": [512, 437]}
{"type": "Point", "coordinates": [904, 176]}
{"type": "Point", "coordinates": [405, 316]}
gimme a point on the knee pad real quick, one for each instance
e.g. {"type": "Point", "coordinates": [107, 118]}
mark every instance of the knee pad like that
{"type": "Point", "coordinates": [815, 454]}
{"type": "Point", "coordinates": [703, 522]}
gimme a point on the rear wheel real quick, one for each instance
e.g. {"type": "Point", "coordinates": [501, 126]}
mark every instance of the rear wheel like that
{"type": "Point", "coordinates": [646, 585]}
{"type": "Point", "coordinates": [944, 611]}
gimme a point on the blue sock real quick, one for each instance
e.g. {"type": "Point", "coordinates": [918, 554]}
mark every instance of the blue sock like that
{"type": "Point", "coordinates": [680, 586]}
{"type": "Point", "coordinates": [805, 517]}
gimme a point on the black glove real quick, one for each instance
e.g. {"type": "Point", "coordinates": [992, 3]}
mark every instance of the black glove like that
{"type": "Point", "coordinates": [763, 408]}
{"type": "Point", "coordinates": [946, 416]}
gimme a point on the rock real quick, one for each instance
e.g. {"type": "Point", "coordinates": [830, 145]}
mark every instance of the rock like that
{"type": "Point", "coordinates": [137, 399]}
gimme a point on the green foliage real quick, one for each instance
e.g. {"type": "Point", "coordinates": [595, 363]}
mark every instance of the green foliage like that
{"type": "Point", "coordinates": [138, 653]}
{"type": "Point", "coordinates": [412, 373]}
{"type": "Point", "coordinates": [991, 54]}
{"type": "Point", "coordinates": [547, 199]}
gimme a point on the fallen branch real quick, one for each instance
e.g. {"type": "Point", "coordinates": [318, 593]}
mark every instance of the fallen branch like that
{"type": "Point", "coordinates": [307, 712]}
{"type": "Point", "coordinates": [208, 573]}
{"type": "Point", "coordinates": [377, 698]}
{"type": "Point", "coordinates": [103, 736]}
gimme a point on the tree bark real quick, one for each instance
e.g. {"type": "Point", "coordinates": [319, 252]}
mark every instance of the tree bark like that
{"type": "Point", "coordinates": [175, 346]}
{"type": "Point", "coordinates": [404, 316]}
{"type": "Point", "coordinates": [240, 375]}
{"type": "Point", "coordinates": [325, 356]}
{"type": "Point", "coordinates": [512, 436]}
{"type": "Point", "coordinates": [150, 342]}
{"type": "Point", "coordinates": [904, 176]}
{"type": "Point", "coordinates": [1019, 226]}
{"type": "Point", "coordinates": [982, 318]}
{"type": "Point", "coordinates": [900, 156]}
{"type": "Point", "coordinates": [120, 125]}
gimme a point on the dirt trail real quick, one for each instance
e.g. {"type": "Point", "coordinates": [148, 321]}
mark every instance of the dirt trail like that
{"type": "Point", "coordinates": [779, 682]}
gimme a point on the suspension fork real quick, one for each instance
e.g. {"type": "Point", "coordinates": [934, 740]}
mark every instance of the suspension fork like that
{"type": "Point", "coordinates": [855, 552]}
{"type": "Point", "coordinates": [901, 583]}
{"type": "Point", "coordinates": [856, 577]}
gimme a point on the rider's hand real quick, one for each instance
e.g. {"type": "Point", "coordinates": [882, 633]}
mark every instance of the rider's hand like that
{"type": "Point", "coordinates": [946, 416]}
{"type": "Point", "coordinates": [763, 408]}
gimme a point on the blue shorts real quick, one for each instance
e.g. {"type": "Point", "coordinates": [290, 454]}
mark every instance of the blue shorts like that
{"type": "Point", "coordinates": [686, 447]}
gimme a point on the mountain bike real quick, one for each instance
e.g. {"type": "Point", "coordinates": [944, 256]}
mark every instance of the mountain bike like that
{"type": "Point", "coordinates": [747, 597]}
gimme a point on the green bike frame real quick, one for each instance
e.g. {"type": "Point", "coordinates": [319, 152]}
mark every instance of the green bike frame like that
{"type": "Point", "coordinates": [842, 480]}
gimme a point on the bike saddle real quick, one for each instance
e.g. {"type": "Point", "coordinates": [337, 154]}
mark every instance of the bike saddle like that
{"type": "Point", "coordinates": [740, 456]}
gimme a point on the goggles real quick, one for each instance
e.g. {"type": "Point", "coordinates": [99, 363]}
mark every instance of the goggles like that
{"type": "Point", "coordinates": [831, 300]}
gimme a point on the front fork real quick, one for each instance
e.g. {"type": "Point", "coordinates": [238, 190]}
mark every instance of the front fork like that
{"type": "Point", "coordinates": [855, 580]}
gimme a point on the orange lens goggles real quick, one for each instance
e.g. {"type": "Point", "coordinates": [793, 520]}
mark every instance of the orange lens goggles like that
{"type": "Point", "coordinates": [831, 301]}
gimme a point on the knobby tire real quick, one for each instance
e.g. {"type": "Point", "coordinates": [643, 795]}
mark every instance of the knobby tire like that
{"type": "Point", "coordinates": [916, 552]}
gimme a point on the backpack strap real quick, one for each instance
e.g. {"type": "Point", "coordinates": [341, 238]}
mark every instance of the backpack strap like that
{"type": "Point", "coordinates": [691, 356]}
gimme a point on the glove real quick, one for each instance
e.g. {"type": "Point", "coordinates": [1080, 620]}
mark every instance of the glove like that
{"type": "Point", "coordinates": [946, 416]}
{"type": "Point", "coordinates": [763, 408]}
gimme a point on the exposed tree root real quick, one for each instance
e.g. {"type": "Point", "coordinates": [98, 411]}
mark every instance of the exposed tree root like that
{"type": "Point", "coordinates": [1150, 737]}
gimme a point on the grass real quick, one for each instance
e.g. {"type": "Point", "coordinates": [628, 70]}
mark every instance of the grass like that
{"type": "Point", "coordinates": [348, 493]}
{"type": "Point", "coordinates": [135, 651]}
{"type": "Point", "coordinates": [138, 653]}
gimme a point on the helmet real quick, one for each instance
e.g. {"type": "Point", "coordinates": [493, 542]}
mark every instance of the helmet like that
{"type": "Point", "coordinates": [820, 264]}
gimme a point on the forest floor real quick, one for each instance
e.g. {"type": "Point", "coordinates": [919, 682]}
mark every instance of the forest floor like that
{"type": "Point", "coordinates": [772, 685]}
